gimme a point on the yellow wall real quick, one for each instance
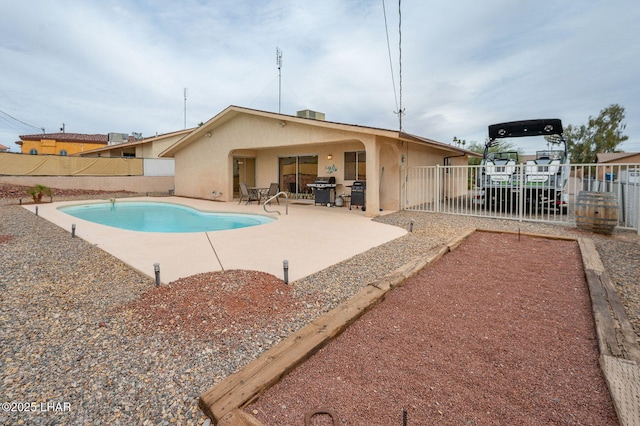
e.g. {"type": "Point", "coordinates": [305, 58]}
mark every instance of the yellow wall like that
{"type": "Point", "coordinates": [53, 147]}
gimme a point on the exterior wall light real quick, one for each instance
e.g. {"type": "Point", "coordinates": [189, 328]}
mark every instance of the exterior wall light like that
{"type": "Point", "coordinates": [329, 157]}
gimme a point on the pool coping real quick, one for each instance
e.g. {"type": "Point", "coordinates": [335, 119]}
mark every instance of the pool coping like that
{"type": "Point", "coordinates": [78, 210]}
{"type": "Point", "coordinates": [311, 238]}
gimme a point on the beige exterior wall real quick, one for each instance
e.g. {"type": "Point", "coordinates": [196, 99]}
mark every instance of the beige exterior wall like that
{"type": "Point", "coordinates": [204, 160]}
{"type": "Point", "coordinates": [206, 164]}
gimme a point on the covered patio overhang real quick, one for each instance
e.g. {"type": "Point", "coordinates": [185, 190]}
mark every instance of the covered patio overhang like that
{"type": "Point", "coordinates": [373, 159]}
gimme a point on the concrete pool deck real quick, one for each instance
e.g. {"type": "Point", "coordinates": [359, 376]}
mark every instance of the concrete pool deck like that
{"type": "Point", "coordinates": [310, 237]}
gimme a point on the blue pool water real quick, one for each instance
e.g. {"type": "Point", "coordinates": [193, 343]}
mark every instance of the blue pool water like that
{"type": "Point", "coordinates": [161, 217]}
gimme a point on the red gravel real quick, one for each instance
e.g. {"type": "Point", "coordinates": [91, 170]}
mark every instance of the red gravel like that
{"type": "Point", "coordinates": [216, 303]}
{"type": "Point", "coordinates": [499, 331]}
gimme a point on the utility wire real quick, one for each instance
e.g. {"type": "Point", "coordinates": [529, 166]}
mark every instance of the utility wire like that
{"type": "Point", "coordinates": [393, 80]}
{"type": "Point", "coordinates": [21, 122]}
{"type": "Point", "coordinates": [400, 110]}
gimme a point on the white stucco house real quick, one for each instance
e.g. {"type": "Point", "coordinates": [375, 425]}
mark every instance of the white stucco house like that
{"type": "Point", "coordinates": [242, 145]}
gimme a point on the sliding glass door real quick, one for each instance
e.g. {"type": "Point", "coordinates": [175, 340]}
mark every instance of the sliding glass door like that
{"type": "Point", "coordinates": [296, 172]}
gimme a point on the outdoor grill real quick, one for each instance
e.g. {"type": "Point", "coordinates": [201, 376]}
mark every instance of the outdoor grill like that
{"type": "Point", "coordinates": [324, 190]}
{"type": "Point", "coordinates": [357, 194]}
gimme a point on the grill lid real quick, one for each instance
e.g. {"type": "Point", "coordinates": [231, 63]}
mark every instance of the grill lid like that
{"type": "Point", "coordinates": [330, 180]}
{"type": "Point", "coordinates": [358, 184]}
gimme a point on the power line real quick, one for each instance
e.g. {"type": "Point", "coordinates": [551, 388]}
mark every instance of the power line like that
{"type": "Point", "coordinates": [20, 121]}
{"type": "Point", "coordinates": [400, 110]}
{"type": "Point", "coordinates": [386, 28]}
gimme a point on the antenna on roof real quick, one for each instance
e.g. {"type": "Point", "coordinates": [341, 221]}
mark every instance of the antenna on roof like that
{"type": "Point", "coordinates": [279, 63]}
{"type": "Point", "coordinates": [185, 107]}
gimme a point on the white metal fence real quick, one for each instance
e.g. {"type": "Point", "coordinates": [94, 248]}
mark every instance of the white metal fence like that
{"type": "Point", "coordinates": [520, 193]}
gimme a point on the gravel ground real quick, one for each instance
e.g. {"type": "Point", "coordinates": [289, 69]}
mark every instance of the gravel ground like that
{"type": "Point", "coordinates": [73, 329]}
{"type": "Point", "coordinates": [499, 338]}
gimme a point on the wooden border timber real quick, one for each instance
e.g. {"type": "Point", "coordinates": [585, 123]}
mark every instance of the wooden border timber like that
{"type": "Point", "coordinates": [245, 386]}
{"type": "Point", "coordinates": [615, 333]}
{"type": "Point", "coordinates": [617, 341]}
{"type": "Point", "coordinates": [529, 234]}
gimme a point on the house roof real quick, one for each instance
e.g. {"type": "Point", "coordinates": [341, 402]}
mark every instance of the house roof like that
{"type": "Point", "coordinates": [414, 138]}
{"type": "Point", "coordinates": [136, 142]}
{"type": "Point", "coordinates": [605, 157]}
{"type": "Point", "coordinates": [67, 137]}
{"type": "Point", "coordinates": [233, 111]}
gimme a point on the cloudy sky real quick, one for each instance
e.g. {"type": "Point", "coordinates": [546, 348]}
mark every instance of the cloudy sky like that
{"type": "Point", "coordinates": [102, 66]}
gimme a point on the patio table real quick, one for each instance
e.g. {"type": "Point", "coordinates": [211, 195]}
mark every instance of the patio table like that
{"type": "Point", "coordinates": [259, 192]}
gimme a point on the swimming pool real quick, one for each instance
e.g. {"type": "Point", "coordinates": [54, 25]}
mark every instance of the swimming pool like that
{"type": "Point", "coordinates": [149, 216]}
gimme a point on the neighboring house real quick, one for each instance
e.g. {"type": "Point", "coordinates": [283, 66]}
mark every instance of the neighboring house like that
{"type": "Point", "coordinates": [4, 148]}
{"type": "Point", "coordinates": [60, 143]}
{"type": "Point", "coordinates": [149, 147]}
{"type": "Point", "coordinates": [241, 145]}
{"type": "Point", "coordinates": [615, 165]}
{"type": "Point", "coordinates": [618, 157]}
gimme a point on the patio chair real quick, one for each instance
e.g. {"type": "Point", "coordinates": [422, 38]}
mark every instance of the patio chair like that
{"type": "Point", "coordinates": [274, 188]}
{"type": "Point", "coordinates": [248, 194]}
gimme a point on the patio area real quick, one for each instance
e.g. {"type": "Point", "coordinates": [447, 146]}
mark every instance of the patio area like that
{"type": "Point", "coordinates": [310, 237]}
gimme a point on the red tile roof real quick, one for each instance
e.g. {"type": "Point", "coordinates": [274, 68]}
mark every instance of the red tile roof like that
{"type": "Point", "coordinates": [67, 137]}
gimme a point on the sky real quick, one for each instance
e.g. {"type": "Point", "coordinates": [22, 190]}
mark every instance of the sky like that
{"type": "Point", "coordinates": [453, 68]}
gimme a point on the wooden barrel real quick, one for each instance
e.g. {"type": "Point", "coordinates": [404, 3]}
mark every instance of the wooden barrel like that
{"type": "Point", "coordinates": [597, 211]}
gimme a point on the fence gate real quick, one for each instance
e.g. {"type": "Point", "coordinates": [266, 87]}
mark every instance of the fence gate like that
{"type": "Point", "coordinates": [522, 193]}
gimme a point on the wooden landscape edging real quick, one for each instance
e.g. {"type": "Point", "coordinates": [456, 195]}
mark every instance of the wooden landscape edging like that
{"type": "Point", "coordinates": [615, 333]}
{"type": "Point", "coordinates": [528, 234]}
{"type": "Point", "coordinates": [619, 350]}
{"type": "Point", "coordinates": [222, 402]}
{"type": "Point", "coordinates": [617, 342]}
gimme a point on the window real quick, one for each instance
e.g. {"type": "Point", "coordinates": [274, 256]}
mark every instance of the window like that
{"type": "Point", "coordinates": [33, 151]}
{"type": "Point", "coordinates": [63, 152]}
{"type": "Point", "coordinates": [355, 165]}
{"type": "Point", "coordinates": [296, 173]}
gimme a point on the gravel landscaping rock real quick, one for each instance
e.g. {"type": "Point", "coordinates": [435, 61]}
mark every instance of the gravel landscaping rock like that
{"type": "Point", "coordinates": [78, 326]}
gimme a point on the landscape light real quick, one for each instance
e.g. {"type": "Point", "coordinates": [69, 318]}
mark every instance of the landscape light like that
{"type": "Point", "coordinates": [156, 269]}
{"type": "Point", "coordinates": [285, 266]}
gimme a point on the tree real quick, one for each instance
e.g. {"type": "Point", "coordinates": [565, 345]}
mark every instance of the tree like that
{"type": "Point", "coordinates": [602, 134]}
